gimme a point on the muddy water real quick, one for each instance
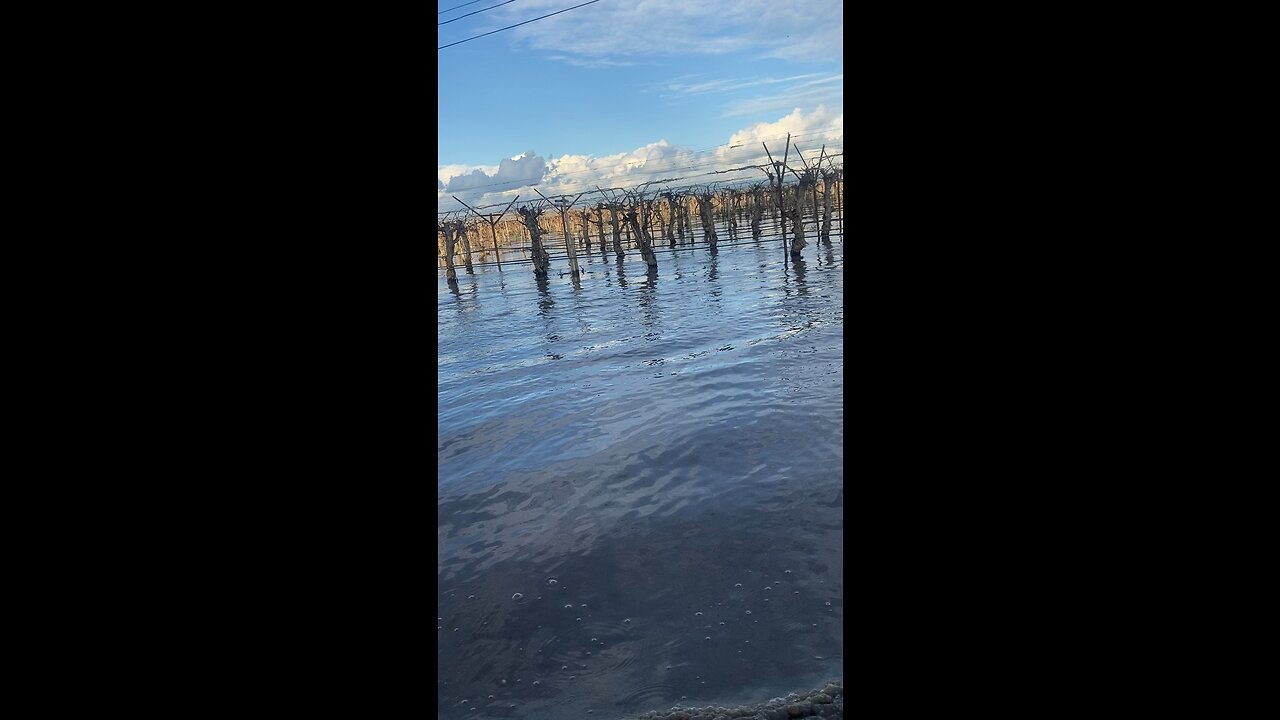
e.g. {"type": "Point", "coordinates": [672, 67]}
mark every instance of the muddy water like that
{"type": "Point", "coordinates": [640, 482]}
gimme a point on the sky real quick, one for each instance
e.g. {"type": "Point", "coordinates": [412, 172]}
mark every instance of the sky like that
{"type": "Point", "coordinates": [620, 92]}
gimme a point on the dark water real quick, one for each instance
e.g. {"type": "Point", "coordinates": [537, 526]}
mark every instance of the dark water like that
{"type": "Point", "coordinates": [659, 445]}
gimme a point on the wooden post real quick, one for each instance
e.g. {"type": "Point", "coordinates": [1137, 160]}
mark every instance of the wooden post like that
{"type": "Point", "coordinates": [839, 203]}
{"type": "Point", "coordinates": [563, 204]}
{"type": "Point", "coordinates": [827, 183]}
{"type": "Point", "coordinates": [569, 244]}
{"type": "Point", "coordinates": [493, 225]}
{"type": "Point", "coordinates": [671, 223]}
{"type": "Point", "coordinates": [775, 181]}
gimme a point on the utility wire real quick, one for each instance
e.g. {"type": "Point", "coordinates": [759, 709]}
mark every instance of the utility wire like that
{"type": "Point", "coordinates": [446, 22]}
{"type": "Point", "coordinates": [526, 22]}
{"type": "Point", "coordinates": [455, 7]}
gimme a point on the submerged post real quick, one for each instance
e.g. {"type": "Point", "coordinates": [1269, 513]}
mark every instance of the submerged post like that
{"type": "Point", "coordinates": [466, 245]}
{"type": "Point", "coordinates": [563, 204]}
{"type": "Point", "coordinates": [493, 225]}
{"type": "Point", "coordinates": [541, 259]}
{"type": "Point", "coordinates": [447, 228]}
{"type": "Point", "coordinates": [637, 219]}
{"type": "Point", "coordinates": [705, 210]}
{"type": "Point", "coordinates": [797, 242]}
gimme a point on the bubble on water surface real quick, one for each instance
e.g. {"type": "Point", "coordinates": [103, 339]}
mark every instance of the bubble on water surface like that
{"type": "Point", "coordinates": [517, 596]}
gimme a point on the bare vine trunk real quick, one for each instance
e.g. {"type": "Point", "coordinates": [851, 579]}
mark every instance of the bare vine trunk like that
{"type": "Point", "coordinates": [642, 238]}
{"type": "Point", "coordinates": [541, 259]}
{"type": "Point", "coordinates": [617, 231]}
{"type": "Point", "coordinates": [797, 242]}
{"type": "Point", "coordinates": [708, 219]}
{"type": "Point", "coordinates": [757, 210]}
{"type": "Point", "coordinates": [466, 246]}
{"type": "Point", "coordinates": [449, 272]}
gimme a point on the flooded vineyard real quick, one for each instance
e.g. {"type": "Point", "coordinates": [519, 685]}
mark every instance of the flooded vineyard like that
{"type": "Point", "coordinates": [640, 488]}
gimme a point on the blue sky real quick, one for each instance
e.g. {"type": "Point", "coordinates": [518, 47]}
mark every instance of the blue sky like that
{"type": "Point", "coordinates": [622, 91]}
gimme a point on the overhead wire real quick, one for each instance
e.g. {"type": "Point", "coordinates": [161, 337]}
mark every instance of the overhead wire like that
{"type": "Point", "coordinates": [446, 22]}
{"type": "Point", "coordinates": [526, 22]}
{"type": "Point", "coordinates": [455, 7]}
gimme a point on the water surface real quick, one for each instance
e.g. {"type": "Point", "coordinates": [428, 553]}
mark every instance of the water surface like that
{"type": "Point", "coordinates": [653, 462]}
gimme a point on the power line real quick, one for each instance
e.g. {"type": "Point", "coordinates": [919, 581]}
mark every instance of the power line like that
{"type": "Point", "coordinates": [446, 22]}
{"type": "Point", "coordinates": [526, 22]}
{"type": "Point", "coordinates": [455, 7]}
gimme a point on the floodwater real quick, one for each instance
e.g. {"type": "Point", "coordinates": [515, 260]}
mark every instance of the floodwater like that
{"type": "Point", "coordinates": [640, 481]}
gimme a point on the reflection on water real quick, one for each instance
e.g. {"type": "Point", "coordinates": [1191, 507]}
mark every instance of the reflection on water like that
{"type": "Point", "coordinates": [640, 483]}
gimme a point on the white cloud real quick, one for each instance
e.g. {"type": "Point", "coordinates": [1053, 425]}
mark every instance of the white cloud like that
{"type": "Point", "coordinates": [800, 95]}
{"type": "Point", "coordinates": [811, 30]}
{"type": "Point", "coordinates": [522, 169]}
{"type": "Point", "coordinates": [734, 84]}
{"type": "Point", "coordinates": [808, 132]}
{"type": "Point", "coordinates": [446, 172]}
{"type": "Point", "coordinates": [572, 174]}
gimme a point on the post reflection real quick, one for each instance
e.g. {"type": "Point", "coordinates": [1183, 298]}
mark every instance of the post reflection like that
{"type": "Point", "coordinates": [545, 301]}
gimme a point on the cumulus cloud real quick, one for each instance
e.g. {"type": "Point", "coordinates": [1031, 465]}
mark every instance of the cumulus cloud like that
{"type": "Point", "coordinates": [526, 169]}
{"type": "Point", "coordinates": [573, 174]}
{"type": "Point", "coordinates": [822, 123]}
